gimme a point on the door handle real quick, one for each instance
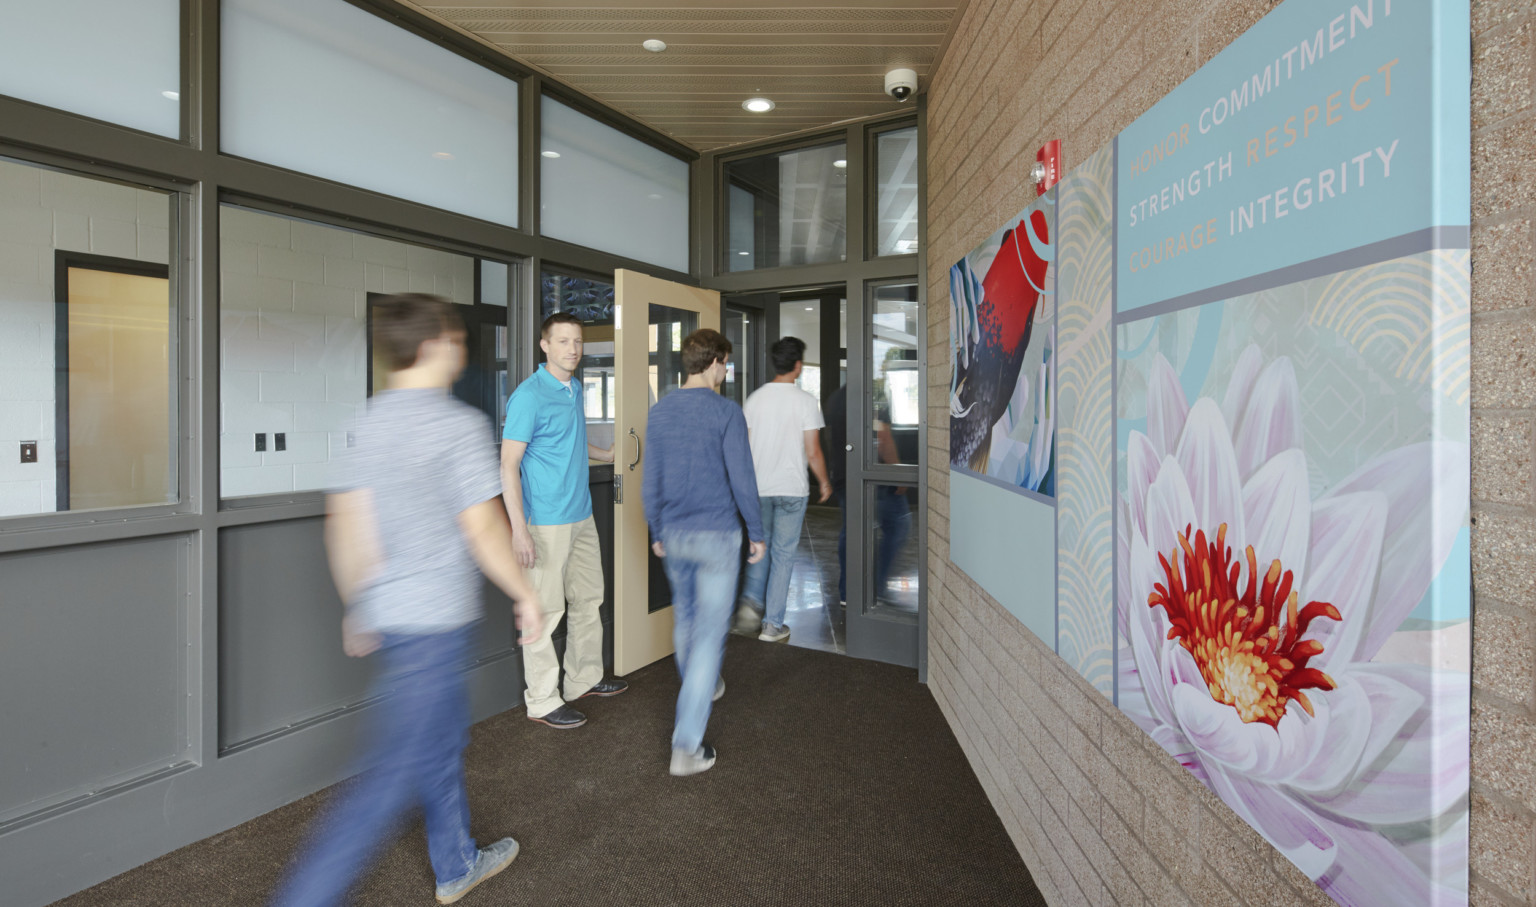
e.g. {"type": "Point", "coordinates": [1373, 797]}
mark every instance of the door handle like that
{"type": "Point", "coordinates": [636, 461]}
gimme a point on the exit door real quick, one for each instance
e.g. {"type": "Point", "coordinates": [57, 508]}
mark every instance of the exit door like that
{"type": "Point", "coordinates": [651, 318]}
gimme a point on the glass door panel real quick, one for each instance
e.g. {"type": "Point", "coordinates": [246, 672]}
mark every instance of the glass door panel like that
{"type": "Point", "coordinates": [893, 568]}
{"type": "Point", "coordinates": [884, 520]}
{"type": "Point", "coordinates": [896, 409]}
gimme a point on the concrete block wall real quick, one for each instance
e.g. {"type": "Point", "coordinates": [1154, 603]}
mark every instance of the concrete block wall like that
{"type": "Point", "coordinates": [42, 211]}
{"type": "Point", "coordinates": [1101, 814]}
{"type": "Point", "coordinates": [292, 322]}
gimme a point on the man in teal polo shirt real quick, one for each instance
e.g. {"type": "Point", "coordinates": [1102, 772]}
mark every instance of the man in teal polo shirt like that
{"type": "Point", "coordinates": [544, 454]}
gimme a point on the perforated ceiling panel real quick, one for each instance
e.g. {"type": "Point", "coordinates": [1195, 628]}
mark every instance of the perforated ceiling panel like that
{"type": "Point", "coordinates": [820, 64]}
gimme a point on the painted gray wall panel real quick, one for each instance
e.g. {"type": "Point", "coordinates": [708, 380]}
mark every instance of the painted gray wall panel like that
{"type": "Point", "coordinates": [96, 637]}
{"type": "Point", "coordinates": [280, 657]}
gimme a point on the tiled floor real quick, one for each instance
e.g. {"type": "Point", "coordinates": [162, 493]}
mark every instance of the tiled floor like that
{"type": "Point", "coordinates": [814, 617]}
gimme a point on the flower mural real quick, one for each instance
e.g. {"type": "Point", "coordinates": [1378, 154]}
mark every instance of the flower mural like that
{"type": "Point", "coordinates": [998, 428]}
{"type": "Point", "coordinates": [1250, 615]}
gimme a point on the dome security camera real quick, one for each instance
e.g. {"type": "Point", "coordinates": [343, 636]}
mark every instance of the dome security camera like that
{"type": "Point", "coordinates": [900, 84]}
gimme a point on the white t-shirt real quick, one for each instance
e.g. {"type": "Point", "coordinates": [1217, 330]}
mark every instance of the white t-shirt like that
{"type": "Point", "coordinates": [778, 416]}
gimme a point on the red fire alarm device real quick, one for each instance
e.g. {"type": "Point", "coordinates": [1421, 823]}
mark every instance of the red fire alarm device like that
{"type": "Point", "coordinates": [1047, 169]}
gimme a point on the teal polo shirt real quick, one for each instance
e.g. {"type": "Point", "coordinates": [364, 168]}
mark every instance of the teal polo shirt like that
{"type": "Point", "coordinates": [548, 417]}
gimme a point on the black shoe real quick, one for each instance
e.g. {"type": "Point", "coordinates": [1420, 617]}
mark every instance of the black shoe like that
{"type": "Point", "coordinates": [564, 718]}
{"type": "Point", "coordinates": [611, 687]}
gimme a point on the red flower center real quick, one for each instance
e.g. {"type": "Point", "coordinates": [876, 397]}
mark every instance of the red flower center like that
{"type": "Point", "coordinates": [1247, 645]}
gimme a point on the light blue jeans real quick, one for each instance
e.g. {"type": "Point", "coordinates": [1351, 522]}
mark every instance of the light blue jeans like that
{"type": "Point", "coordinates": [702, 567]}
{"type": "Point", "coordinates": [768, 579]}
{"type": "Point", "coordinates": [415, 756]}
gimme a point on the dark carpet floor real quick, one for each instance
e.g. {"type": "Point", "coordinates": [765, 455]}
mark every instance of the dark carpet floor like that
{"type": "Point", "coordinates": [838, 783]}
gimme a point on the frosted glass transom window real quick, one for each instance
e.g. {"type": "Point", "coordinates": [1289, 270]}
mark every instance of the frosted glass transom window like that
{"type": "Point", "coordinates": [896, 198]}
{"type": "Point", "coordinates": [107, 59]}
{"type": "Point", "coordinates": [325, 88]}
{"type": "Point", "coordinates": [605, 190]}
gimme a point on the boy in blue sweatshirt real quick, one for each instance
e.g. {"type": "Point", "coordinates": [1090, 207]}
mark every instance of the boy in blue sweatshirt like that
{"type": "Point", "coordinates": [699, 489]}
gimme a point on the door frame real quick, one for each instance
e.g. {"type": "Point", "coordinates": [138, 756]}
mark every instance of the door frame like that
{"type": "Point", "coordinates": [879, 633]}
{"type": "Point", "coordinates": [640, 636]}
{"type": "Point", "coordinates": [63, 260]}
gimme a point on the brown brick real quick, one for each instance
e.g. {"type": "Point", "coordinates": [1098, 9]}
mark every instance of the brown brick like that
{"type": "Point", "coordinates": [1236, 853]}
{"type": "Point", "coordinates": [1502, 843]}
{"type": "Point", "coordinates": [1491, 14]}
{"type": "Point", "coordinates": [1501, 265]}
{"type": "Point", "coordinates": [1504, 363]}
{"type": "Point", "coordinates": [1206, 889]}
{"type": "Point", "coordinates": [1305, 890]}
{"type": "Point", "coordinates": [1502, 744]}
{"type": "Point", "coordinates": [1502, 178]}
{"type": "Point", "coordinates": [1481, 894]}
{"type": "Point", "coordinates": [1226, 21]}
{"type": "Point", "coordinates": [1502, 655]}
{"type": "Point", "coordinates": [1501, 459]}
{"type": "Point", "coordinates": [1501, 75]}
{"type": "Point", "coordinates": [1504, 557]}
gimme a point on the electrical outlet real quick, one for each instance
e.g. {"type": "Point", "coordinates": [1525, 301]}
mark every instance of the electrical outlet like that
{"type": "Point", "coordinates": [29, 451]}
{"type": "Point", "coordinates": [261, 440]}
{"type": "Point", "coordinates": [280, 441]}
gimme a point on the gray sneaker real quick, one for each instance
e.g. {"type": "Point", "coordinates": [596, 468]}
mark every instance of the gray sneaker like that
{"type": "Point", "coordinates": [488, 862]}
{"type": "Point", "coordinates": [686, 763]}
{"type": "Point", "coordinates": [773, 633]}
{"type": "Point", "coordinates": [749, 619]}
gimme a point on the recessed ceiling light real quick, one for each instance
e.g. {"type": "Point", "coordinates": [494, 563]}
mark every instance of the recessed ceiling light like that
{"type": "Point", "coordinates": [654, 45]}
{"type": "Point", "coordinates": [758, 105]}
{"type": "Point", "coordinates": [743, 253]}
{"type": "Point", "coordinates": [654, 196]}
{"type": "Point", "coordinates": [171, 95]}
{"type": "Point", "coordinates": [550, 154]}
{"type": "Point", "coordinates": [810, 308]}
{"type": "Point", "coordinates": [840, 164]}
{"type": "Point", "coordinates": [442, 155]}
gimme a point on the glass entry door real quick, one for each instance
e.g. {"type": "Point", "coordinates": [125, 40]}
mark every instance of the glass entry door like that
{"type": "Point", "coordinates": [883, 509]}
{"type": "Point", "coordinates": [651, 318]}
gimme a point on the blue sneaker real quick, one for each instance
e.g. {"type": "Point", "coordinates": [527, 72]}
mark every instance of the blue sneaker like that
{"type": "Point", "coordinates": [488, 862]}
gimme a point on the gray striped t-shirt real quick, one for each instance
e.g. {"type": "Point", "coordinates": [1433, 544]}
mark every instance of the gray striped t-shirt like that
{"type": "Point", "coordinates": [426, 457]}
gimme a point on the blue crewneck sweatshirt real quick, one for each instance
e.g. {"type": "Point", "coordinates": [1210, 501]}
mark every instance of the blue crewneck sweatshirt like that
{"type": "Point", "coordinates": [698, 472]}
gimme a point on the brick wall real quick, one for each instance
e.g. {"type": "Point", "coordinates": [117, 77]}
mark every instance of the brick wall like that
{"type": "Point", "coordinates": [1099, 812]}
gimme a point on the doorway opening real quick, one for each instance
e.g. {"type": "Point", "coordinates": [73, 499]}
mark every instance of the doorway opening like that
{"type": "Point", "coordinates": [114, 383]}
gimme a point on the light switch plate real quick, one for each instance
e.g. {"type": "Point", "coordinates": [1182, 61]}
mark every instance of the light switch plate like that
{"type": "Point", "coordinates": [29, 451]}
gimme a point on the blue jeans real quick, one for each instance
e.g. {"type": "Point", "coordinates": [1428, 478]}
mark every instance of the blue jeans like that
{"type": "Point", "coordinates": [895, 516]}
{"type": "Point", "coordinates": [842, 546]}
{"type": "Point", "coordinates": [702, 569]}
{"type": "Point", "coordinates": [415, 756]}
{"type": "Point", "coordinates": [768, 579]}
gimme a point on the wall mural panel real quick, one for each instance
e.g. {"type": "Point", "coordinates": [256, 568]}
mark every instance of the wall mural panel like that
{"type": "Point", "coordinates": [1259, 479]}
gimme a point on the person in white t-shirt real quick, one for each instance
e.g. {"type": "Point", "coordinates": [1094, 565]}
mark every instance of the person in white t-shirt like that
{"type": "Point", "coordinates": [783, 426]}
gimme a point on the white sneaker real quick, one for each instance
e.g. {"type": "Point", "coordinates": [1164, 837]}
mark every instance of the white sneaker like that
{"type": "Point", "coordinates": [719, 689]}
{"type": "Point", "coordinates": [773, 632]}
{"type": "Point", "coordinates": [686, 763]}
{"type": "Point", "coordinates": [489, 861]}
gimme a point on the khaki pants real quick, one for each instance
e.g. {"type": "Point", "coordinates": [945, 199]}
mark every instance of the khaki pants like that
{"type": "Point", "coordinates": [567, 567]}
